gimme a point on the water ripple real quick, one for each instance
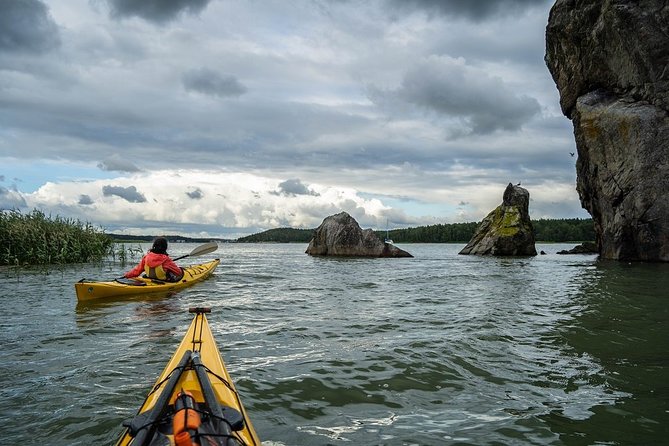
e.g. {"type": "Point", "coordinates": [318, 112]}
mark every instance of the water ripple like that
{"type": "Point", "coordinates": [438, 349]}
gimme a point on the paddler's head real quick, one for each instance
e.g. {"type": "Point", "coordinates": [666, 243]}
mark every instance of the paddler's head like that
{"type": "Point", "coordinates": [159, 245]}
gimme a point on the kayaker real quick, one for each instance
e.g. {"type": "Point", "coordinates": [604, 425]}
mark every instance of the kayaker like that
{"type": "Point", "coordinates": [156, 264]}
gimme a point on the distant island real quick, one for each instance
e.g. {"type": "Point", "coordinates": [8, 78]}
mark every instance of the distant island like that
{"type": "Point", "coordinates": [546, 230]}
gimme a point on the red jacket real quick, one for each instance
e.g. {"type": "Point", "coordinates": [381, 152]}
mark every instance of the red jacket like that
{"type": "Point", "coordinates": [154, 260]}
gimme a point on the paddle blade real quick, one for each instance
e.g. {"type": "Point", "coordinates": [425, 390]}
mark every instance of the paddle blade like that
{"type": "Point", "coordinates": [204, 249]}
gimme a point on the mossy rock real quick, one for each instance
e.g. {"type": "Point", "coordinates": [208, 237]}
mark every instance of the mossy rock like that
{"type": "Point", "coordinates": [507, 230]}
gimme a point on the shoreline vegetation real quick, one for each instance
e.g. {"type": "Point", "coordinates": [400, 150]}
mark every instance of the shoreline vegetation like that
{"type": "Point", "coordinates": [35, 238]}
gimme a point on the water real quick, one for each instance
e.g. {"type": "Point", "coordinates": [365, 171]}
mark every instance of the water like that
{"type": "Point", "coordinates": [438, 349]}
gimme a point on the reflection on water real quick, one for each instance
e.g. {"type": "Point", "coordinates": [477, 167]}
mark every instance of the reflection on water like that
{"type": "Point", "coordinates": [623, 326]}
{"type": "Point", "coordinates": [438, 349]}
{"type": "Point", "coordinates": [95, 306]}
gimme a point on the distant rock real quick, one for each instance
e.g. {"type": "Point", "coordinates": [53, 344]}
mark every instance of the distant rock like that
{"type": "Point", "coordinates": [610, 59]}
{"type": "Point", "coordinates": [340, 235]}
{"type": "Point", "coordinates": [583, 248]}
{"type": "Point", "coordinates": [506, 231]}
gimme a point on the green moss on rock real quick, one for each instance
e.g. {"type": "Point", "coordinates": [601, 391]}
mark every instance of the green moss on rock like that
{"type": "Point", "coordinates": [507, 230]}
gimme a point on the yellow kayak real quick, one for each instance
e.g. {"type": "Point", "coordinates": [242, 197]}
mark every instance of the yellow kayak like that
{"type": "Point", "coordinates": [194, 401]}
{"type": "Point", "coordinates": [89, 290]}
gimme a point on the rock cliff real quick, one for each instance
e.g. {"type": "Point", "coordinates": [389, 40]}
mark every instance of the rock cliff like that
{"type": "Point", "coordinates": [610, 61]}
{"type": "Point", "coordinates": [340, 235]}
{"type": "Point", "coordinates": [507, 230]}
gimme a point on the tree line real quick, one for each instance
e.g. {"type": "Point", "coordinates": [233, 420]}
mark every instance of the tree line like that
{"type": "Point", "coordinates": [546, 230]}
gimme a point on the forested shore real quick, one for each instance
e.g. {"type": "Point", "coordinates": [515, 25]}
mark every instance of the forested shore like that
{"type": "Point", "coordinates": [546, 230]}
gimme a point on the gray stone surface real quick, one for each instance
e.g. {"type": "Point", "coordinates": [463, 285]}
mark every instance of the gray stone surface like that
{"type": "Point", "coordinates": [507, 230]}
{"type": "Point", "coordinates": [340, 235]}
{"type": "Point", "coordinates": [610, 61]}
{"type": "Point", "coordinates": [583, 248]}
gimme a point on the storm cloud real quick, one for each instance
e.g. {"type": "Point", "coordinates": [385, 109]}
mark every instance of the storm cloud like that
{"type": "Point", "coordinates": [85, 200]}
{"type": "Point", "coordinates": [210, 82]}
{"type": "Point", "coordinates": [158, 11]}
{"type": "Point", "coordinates": [294, 187]}
{"type": "Point", "coordinates": [11, 199]}
{"type": "Point", "coordinates": [196, 194]}
{"type": "Point", "coordinates": [475, 10]}
{"type": "Point", "coordinates": [451, 88]}
{"type": "Point", "coordinates": [117, 163]}
{"type": "Point", "coordinates": [129, 193]}
{"type": "Point", "coordinates": [26, 26]}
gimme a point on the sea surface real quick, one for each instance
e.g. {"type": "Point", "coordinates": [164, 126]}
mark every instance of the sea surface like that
{"type": "Point", "coordinates": [439, 349]}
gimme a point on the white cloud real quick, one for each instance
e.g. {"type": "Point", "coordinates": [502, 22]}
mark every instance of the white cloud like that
{"type": "Point", "coordinates": [227, 200]}
{"type": "Point", "coordinates": [240, 204]}
{"type": "Point", "coordinates": [11, 199]}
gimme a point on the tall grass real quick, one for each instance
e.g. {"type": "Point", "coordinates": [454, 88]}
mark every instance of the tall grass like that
{"type": "Point", "coordinates": [34, 238]}
{"type": "Point", "coordinates": [126, 254]}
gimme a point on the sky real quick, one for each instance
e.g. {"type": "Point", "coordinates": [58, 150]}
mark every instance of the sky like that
{"type": "Point", "coordinates": [224, 118]}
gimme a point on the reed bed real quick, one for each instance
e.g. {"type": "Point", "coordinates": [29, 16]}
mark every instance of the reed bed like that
{"type": "Point", "coordinates": [34, 238]}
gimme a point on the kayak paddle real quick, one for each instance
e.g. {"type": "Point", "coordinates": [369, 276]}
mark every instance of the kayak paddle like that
{"type": "Point", "coordinates": [200, 250]}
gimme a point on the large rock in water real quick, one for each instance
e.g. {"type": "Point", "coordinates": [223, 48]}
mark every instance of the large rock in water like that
{"type": "Point", "coordinates": [340, 235]}
{"type": "Point", "coordinates": [610, 61]}
{"type": "Point", "coordinates": [506, 231]}
{"type": "Point", "coordinates": [583, 248]}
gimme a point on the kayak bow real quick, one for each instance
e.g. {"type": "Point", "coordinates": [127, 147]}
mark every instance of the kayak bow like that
{"type": "Point", "coordinates": [194, 401]}
{"type": "Point", "coordinates": [89, 290]}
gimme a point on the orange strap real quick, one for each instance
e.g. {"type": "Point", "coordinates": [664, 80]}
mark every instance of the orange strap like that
{"type": "Point", "coordinates": [186, 420]}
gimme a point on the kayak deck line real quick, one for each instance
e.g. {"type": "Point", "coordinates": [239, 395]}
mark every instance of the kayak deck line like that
{"type": "Point", "coordinates": [131, 282]}
{"type": "Point", "coordinates": [195, 372]}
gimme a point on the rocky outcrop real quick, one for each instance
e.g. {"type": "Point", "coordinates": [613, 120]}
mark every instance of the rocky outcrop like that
{"type": "Point", "coordinates": [610, 61]}
{"type": "Point", "coordinates": [583, 248]}
{"type": "Point", "coordinates": [340, 235]}
{"type": "Point", "coordinates": [507, 230]}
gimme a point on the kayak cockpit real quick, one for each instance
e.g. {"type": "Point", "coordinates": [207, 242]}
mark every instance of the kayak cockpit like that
{"type": "Point", "coordinates": [210, 422]}
{"type": "Point", "coordinates": [194, 401]}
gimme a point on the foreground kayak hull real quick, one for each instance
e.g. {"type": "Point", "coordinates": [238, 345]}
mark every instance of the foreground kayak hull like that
{"type": "Point", "coordinates": [90, 290]}
{"type": "Point", "coordinates": [197, 354]}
